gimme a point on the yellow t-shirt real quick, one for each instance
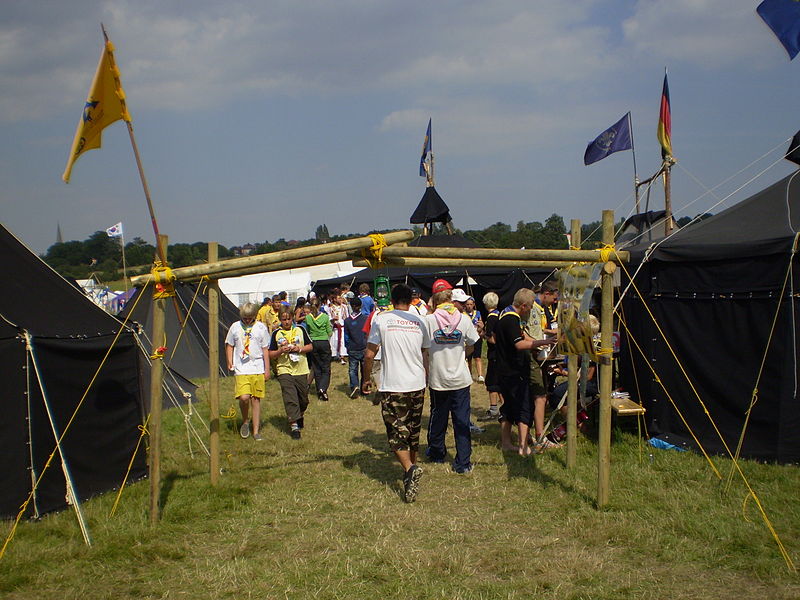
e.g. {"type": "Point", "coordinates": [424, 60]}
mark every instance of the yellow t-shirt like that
{"type": "Point", "coordinates": [266, 314]}
{"type": "Point", "coordinates": [284, 364]}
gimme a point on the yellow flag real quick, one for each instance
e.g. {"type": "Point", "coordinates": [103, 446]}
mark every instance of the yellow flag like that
{"type": "Point", "coordinates": [105, 105]}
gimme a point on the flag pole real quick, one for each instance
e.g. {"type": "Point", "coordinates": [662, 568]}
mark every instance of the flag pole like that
{"type": "Point", "coordinates": [635, 172]}
{"type": "Point", "coordinates": [124, 264]}
{"type": "Point", "coordinates": [159, 249]}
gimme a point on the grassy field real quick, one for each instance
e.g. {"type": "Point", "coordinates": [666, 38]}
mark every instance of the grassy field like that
{"type": "Point", "coordinates": [322, 518]}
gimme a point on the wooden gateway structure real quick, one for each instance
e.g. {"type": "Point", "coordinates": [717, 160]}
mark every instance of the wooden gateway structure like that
{"type": "Point", "coordinates": [389, 249]}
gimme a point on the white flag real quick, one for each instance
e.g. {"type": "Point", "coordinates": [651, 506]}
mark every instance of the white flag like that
{"type": "Point", "coordinates": [115, 230]}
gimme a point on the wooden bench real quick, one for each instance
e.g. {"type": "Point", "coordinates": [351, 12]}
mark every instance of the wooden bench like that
{"type": "Point", "coordinates": [625, 406]}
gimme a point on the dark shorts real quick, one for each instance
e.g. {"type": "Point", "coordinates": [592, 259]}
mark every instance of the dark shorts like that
{"type": "Point", "coordinates": [477, 349]}
{"type": "Point", "coordinates": [517, 400]}
{"type": "Point", "coordinates": [402, 415]}
{"type": "Point", "coordinates": [492, 382]}
{"type": "Point", "coordinates": [537, 383]}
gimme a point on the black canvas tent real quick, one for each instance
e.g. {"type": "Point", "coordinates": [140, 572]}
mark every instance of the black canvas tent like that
{"type": "Point", "coordinates": [52, 341]}
{"type": "Point", "coordinates": [190, 357]}
{"type": "Point", "coordinates": [716, 289]}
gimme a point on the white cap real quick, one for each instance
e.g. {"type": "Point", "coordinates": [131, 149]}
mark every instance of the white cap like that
{"type": "Point", "coordinates": [460, 295]}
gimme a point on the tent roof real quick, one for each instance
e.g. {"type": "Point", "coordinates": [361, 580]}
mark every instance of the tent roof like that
{"type": "Point", "coordinates": [763, 224]}
{"type": "Point", "coordinates": [431, 208]}
{"type": "Point", "coordinates": [39, 300]}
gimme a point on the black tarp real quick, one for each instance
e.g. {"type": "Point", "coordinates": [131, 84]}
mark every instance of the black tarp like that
{"type": "Point", "coordinates": [716, 290]}
{"type": "Point", "coordinates": [69, 338]}
{"type": "Point", "coordinates": [431, 208]}
{"type": "Point", "coordinates": [190, 347]}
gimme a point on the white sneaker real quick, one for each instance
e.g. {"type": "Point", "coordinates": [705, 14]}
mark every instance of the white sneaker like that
{"type": "Point", "coordinates": [481, 379]}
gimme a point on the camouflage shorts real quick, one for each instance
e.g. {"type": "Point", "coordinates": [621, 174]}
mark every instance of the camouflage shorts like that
{"type": "Point", "coordinates": [402, 415]}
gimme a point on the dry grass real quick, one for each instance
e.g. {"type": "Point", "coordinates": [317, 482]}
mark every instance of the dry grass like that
{"type": "Point", "coordinates": [322, 518]}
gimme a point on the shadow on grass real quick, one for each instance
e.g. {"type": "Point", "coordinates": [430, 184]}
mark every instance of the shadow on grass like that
{"type": "Point", "coordinates": [376, 462]}
{"type": "Point", "coordinates": [167, 483]}
{"type": "Point", "coordinates": [519, 466]}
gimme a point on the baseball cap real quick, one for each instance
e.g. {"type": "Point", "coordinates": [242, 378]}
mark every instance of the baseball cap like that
{"type": "Point", "coordinates": [440, 285]}
{"type": "Point", "coordinates": [460, 295]}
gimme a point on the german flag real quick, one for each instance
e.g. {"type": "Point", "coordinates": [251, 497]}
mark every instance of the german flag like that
{"type": "Point", "coordinates": [664, 131]}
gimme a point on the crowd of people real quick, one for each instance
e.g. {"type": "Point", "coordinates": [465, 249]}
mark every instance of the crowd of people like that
{"type": "Point", "coordinates": [397, 347]}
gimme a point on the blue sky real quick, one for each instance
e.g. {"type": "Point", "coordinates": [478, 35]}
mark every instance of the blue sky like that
{"type": "Point", "coordinates": [261, 119]}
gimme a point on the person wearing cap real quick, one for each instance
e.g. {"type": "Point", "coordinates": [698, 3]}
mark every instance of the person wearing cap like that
{"type": "Point", "coordinates": [440, 285]}
{"type": "Point", "coordinates": [452, 338]}
{"type": "Point", "coordinates": [418, 304]}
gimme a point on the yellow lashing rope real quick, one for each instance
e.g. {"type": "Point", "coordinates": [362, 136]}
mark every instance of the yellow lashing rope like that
{"type": "Point", "coordinates": [143, 429]}
{"type": "Point", "coordinates": [374, 254]}
{"type": "Point", "coordinates": [163, 280]}
{"type": "Point", "coordinates": [606, 252]}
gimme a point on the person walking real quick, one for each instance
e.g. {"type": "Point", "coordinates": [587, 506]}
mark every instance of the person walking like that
{"type": "Point", "coordinates": [319, 329]}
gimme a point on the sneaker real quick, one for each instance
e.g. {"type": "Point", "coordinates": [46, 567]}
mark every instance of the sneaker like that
{"type": "Point", "coordinates": [411, 483]}
{"type": "Point", "coordinates": [295, 434]}
{"type": "Point", "coordinates": [489, 415]}
{"type": "Point", "coordinates": [545, 445]}
{"type": "Point", "coordinates": [323, 395]}
{"type": "Point", "coordinates": [257, 437]}
{"type": "Point", "coordinates": [354, 392]}
{"type": "Point", "coordinates": [466, 471]}
{"type": "Point", "coordinates": [481, 379]}
{"type": "Point", "coordinates": [342, 362]}
{"type": "Point", "coordinates": [244, 430]}
{"type": "Point", "coordinates": [473, 428]}
{"type": "Point", "coordinates": [301, 423]}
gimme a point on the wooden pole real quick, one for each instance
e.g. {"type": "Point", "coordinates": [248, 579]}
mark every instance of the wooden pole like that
{"type": "Point", "coordinates": [300, 263]}
{"type": "Point", "coordinates": [156, 381]}
{"type": "Point", "coordinates": [469, 263]}
{"type": "Point", "coordinates": [505, 254]}
{"type": "Point", "coordinates": [213, 366]}
{"type": "Point", "coordinates": [667, 197]}
{"type": "Point", "coordinates": [606, 370]}
{"type": "Point", "coordinates": [572, 376]}
{"type": "Point", "coordinates": [278, 258]}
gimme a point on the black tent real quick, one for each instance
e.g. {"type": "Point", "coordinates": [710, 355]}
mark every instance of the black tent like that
{"type": "Point", "coordinates": [716, 289]}
{"type": "Point", "coordinates": [52, 341]}
{"type": "Point", "coordinates": [188, 350]}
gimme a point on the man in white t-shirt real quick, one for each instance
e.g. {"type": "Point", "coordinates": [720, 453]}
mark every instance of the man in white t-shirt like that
{"type": "Point", "coordinates": [403, 339]}
{"type": "Point", "coordinates": [246, 350]}
{"type": "Point", "coordinates": [452, 337]}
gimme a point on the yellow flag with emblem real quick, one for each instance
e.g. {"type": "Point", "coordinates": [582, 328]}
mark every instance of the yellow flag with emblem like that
{"type": "Point", "coordinates": [104, 106]}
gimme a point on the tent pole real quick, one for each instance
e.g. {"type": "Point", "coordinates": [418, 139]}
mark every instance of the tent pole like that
{"type": "Point", "coordinates": [213, 366]}
{"type": "Point", "coordinates": [606, 370]}
{"type": "Point", "coordinates": [72, 494]}
{"type": "Point", "coordinates": [156, 381]}
{"type": "Point", "coordinates": [572, 375]}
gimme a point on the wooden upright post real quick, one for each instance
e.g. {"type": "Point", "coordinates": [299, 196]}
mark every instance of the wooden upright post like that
{"type": "Point", "coordinates": [667, 197]}
{"type": "Point", "coordinates": [213, 366]}
{"type": "Point", "coordinates": [606, 370]}
{"type": "Point", "coordinates": [156, 381]}
{"type": "Point", "coordinates": [572, 375]}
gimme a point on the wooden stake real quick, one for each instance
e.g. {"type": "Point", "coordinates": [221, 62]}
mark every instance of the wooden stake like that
{"type": "Point", "coordinates": [213, 366]}
{"type": "Point", "coordinates": [572, 375]}
{"type": "Point", "coordinates": [605, 371]}
{"type": "Point", "coordinates": [156, 382]}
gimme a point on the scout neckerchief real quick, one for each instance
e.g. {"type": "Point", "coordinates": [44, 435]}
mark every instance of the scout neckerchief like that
{"type": "Point", "coordinates": [247, 329]}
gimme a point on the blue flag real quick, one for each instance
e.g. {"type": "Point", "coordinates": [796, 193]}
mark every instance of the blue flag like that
{"type": "Point", "coordinates": [783, 17]}
{"type": "Point", "coordinates": [426, 147]}
{"type": "Point", "coordinates": [615, 138]}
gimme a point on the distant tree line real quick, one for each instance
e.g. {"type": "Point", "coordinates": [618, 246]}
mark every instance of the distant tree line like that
{"type": "Point", "coordinates": [102, 255]}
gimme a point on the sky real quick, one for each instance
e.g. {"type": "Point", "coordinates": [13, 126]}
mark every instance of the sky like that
{"type": "Point", "coordinates": [262, 119]}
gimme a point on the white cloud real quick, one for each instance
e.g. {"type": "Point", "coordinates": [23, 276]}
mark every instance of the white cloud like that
{"type": "Point", "coordinates": [704, 33]}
